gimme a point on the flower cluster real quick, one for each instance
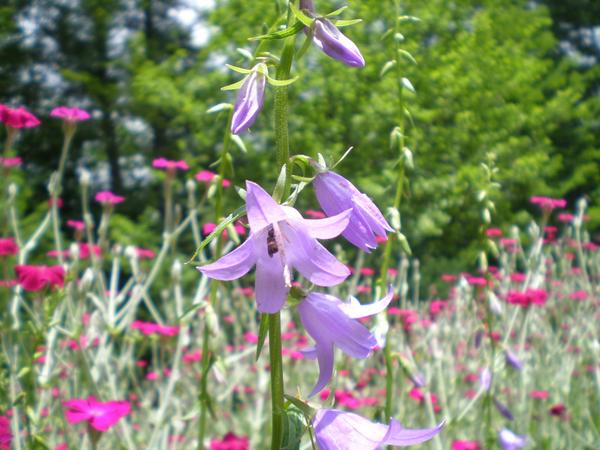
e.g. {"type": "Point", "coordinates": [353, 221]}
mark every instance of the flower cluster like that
{"type": "Point", "coordinates": [527, 298]}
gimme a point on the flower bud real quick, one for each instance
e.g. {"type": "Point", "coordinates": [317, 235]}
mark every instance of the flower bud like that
{"type": "Point", "coordinates": [250, 100]}
{"type": "Point", "coordinates": [335, 44]}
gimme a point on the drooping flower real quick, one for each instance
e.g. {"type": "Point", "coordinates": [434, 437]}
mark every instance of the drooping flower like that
{"type": "Point", "coordinates": [485, 379]}
{"type": "Point", "coordinates": [250, 100]}
{"type": "Point", "coordinates": [331, 41]}
{"type": "Point", "coordinates": [513, 360]}
{"type": "Point", "coordinates": [17, 118]}
{"type": "Point", "coordinates": [8, 247]}
{"type": "Point", "coordinates": [503, 409]}
{"type": "Point", "coordinates": [108, 198]}
{"type": "Point", "coordinates": [71, 115]}
{"type": "Point", "coordinates": [170, 165]}
{"type": "Point", "coordinates": [100, 416]}
{"type": "Point", "coordinates": [230, 442]}
{"type": "Point", "coordinates": [5, 433]}
{"type": "Point", "coordinates": [281, 239]}
{"type": "Point", "coordinates": [511, 441]}
{"type": "Point", "coordinates": [336, 194]}
{"type": "Point", "coordinates": [339, 430]}
{"type": "Point", "coordinates": [35, 278]}
{"type": "Point", "coordinates": [331, 323]}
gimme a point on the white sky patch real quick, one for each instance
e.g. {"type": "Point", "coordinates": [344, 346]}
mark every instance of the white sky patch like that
{"type": "Point", "coordinates": [188, 14]}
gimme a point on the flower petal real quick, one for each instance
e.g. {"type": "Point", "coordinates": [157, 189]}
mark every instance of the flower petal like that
{"type": "Point", "coordinates": [355, 310]}
{"type": "Point", "coordinates": [325, 359]}
{"type": "Point", "coordinates": [249, 102]}
{"type": "Point", "coordinates": [234, 264]}
{"type": "Point", "coordinates": [403, 437]}
{"type": "Point", "coordinates": [328, 228]}
{"type": "Point", "coordinates": [271, 291]}
{"type": "Point", "coordinates": [262, 209]}
{"type": "Point", "coordinates": [310, 258]}
{"type": "Point", "coordinates": [339, 430]}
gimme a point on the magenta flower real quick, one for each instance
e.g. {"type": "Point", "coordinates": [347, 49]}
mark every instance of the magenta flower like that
{"type": "Point", "coordinates": [547, 203]}
{"type": "Point", "coordinates": [35, 278]}
{"type": "Point", "coordinates": [206, 176]}
{"type": "Point", "coordinates": [230, 442]}
{"type": "Point", "coordinates": [144, 253]}
{"type": "Point", "coordinates": [78, 225]}
{"type": "Point", "coordinates": [5, 433]}
{"type": "Point", "coordinates": [249, 101]}
{"type": "Point", "coordinates": [17, 118]}
{"type": "Point", "coordinates": [71, 115]}
{"type": "Point", "coordinates": [11, 162]}
{"type": "Point", "coordinates": [336, 194]}
{"type": "Point", "coordinates": [8, 247]}
{"type": "Point", "coordinates": [170, 165]}
{"type": "Point", "coordinates": [149, 328]}
{"type": "Point", "coordinates": [108, 198]}
{"type": "Point", "coordinates": [100, 415]}
{"type": "Point", "coordinates": [339, 430]}
{"type": "Point", "coordinates": [281, 239]}
{"type": "Point", "coordinates": [511, 441]}
{"type": "Point", "coordinates": [331, 41]}
{"type": "Point", "coordinates": [465, 445]}
{"type": "Point", "coordinates": [331, 323]}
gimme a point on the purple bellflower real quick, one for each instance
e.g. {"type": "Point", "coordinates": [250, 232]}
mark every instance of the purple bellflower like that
{"type": "Point", "coordinates": [250, 100]}
{"type": "Point", "coordinates": [513, 360]}
{"type": "Point", "coordinates": [339, 430]}
{"type": "Point", "coordinates": [331, 41]}
{"type": "Point", "coordinates": [331, 322]}
{"type": "Point", "coordinates": [511, 441]}
{"type": "Point", "coordinates": [336, 194]}
{"type": "Point", "coordinates": [280, 239]}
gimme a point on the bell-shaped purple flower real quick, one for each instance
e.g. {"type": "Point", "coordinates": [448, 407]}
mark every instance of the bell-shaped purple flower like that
{"type": "Point", "coordinates": [280, 239]}
{"type": "Point", "coordinates": [249, 101]}
{"type": "Point", "coordinates": [513, 360]}
{"type": "Point", "coordinates": [331, 322]}
{"type": "Point", "coordinates": [335, 44]}
{"type": "Point", "coordinates": [339, 430]}
{"type": "Point", "coordinates": [336, 194]}
{"type": "Point", "coordinates": [511, 441]}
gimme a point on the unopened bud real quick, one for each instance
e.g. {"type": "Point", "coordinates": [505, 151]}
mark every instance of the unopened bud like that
{"type": "Point", "coordinates": [84, 178]}
{"type": "Point", "coordinates": [176, 271]}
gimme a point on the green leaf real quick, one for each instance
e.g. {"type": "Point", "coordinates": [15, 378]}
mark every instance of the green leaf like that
{"type": "Point", "coordinates": [245, 53]}
{"type": "Point", "coordinates": [307, 21]}
{"type": "Point", "coordinates": [337, 12]}
{"type": "Point", "coordinates": [280, 186]}
{"type": "Point", "coordinates": [407, 56]}
{"type": "Point", "coordinates": [293, 428]}
{"type": "Point", "coordinates": [239, 143]}
{"type": "Point", "coordinates": [387, 67]}
{"type": "Point", "coordinates": [263, 329]}
{"type": "Point", "coordinates": [234, 86]}
{"type": "Point", "coordinates": [408, 85]}
{"type": "Point", "coordinates": [308, 410]}
{"type": "Point", "coordinates": [280, 83]}
{"type": "Point", "coordinates": [346, 23]}
{"type": "Point", "coordinates": [239, 69]}
{"type": "Point", "coordinates": [219, 107]}
{"type": "Point", "coordinates": [218, 230]}
{"type": "Point", "coordinates": [412, 19]}
{"type": "Point", "coordinates": [282, 34]}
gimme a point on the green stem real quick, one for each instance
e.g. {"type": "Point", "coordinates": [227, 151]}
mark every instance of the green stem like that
{"type": "Point", "coordinates": [277, 399]}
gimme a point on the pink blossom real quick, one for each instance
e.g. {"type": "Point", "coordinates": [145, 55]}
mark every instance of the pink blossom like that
{"type": "Point", "coordinates": [517, 277]}
{"type": "Point", "coordinates": [108, 198]}
{"type": "Point", "coordinates": [5, 433]}
{"type": "Point", "coordinates": [70, 114]}
{"type": "Point", "coordinates": [250, 338]}
{"type": "Point", "coordinates": [100, 415]}
{"type": "Point", "coordinates": [206, 176]}
{"type": "Point", "coordinates": [35, 278]}
{"type": "Point", "coordinates": [578, 295]}
{"type": "Point", "coordinates": [448, 278]}
{"type": "Point", "coordinates": [527, 298]}
{"type": "Point", "coordinates": [8, 247]}
{"type": "Point", "coordinates": [152, 376]}
{"type": "Point", "coordinates": [149, 328]}
{"type": "Point", "coordinates": [539, 395]}
{"type": "Point", "coordinates": [11, 162]}
{"type": "Point", "coordinates": [367, 271]}
{"type": "Point", "coordinates": [315, 214]}
{"type": "Point", "coordinates": [493, 232]}
{"type": "Point", "coordinates": [558, 410]}
{"type": "Point", "coordinates": [191, 357]}
{"type": "Point", "coordinates": [565, 217]}
{"type": "Point", "coordinates": [78, 225]}
{"type": "Point", "coordinates": [144, 253]}
{"type": "Point", "coordinates": [547, 203]}
{"type": "Point", "coordinates": [17, 118]}
{"type": "Point", "coordinates": [230, 442]}
{"type": "Point", "coordinates": [170, 165]}
{"type": "Point", "coordinates": [465, 445]}
{"type": "Point", "coordinates": [85, 250]}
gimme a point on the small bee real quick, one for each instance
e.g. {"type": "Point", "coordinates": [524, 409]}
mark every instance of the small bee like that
{"type": "Point", "coordinates": [271, 242]}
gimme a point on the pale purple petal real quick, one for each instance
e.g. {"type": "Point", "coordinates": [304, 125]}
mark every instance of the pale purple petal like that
{"type": "Point", "coordinates": [372, 215]}
{"type": "Point", "coordinates": [310, 258]}
{"type": "Point", "coordinates": [271, 291]}
{"type": "Point", "coordinates": [328, 228]}
{"type": "Point", "coordinates": [261, 208]}
{"type": "Point", "coordinates": [355, 310]}
{"type": "Point", "coordinates": [325, 359]}
{"type": "Point", "coordinates": [309, 352]}
{"type": "Point", "coordinates": [234, 264]}
{"type": "Point", "coordinates": [333, 43]}
{"type": "Point", "coordinates": [403, 437]}
{"type": "Point", "coordinates": [511, 441]}
{"type": "Point", "coordinates": [249, 102]}
{"type": "Point", "coordinates": [339, 430]}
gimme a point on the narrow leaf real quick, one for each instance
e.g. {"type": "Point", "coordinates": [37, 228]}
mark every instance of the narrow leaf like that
{"type": "Point", "coordinates": [280, 83]}
{"type": "Point", "coordinates": [346, 23]}
{"type": "Point", "coordinates": [408, 85]}
{"type": "Point", "coordinates": [407, 56]}
{"type": "Point", "coordinates": [234, 86]}
{"type": "Point", "coordinates": [387, 67]}
{"type": "Point", "coordinates": [240, 144]}
{"type": "Point", "coordinates": [219, 107]}
{"type": "Point", "coordinates": [307, 21]}
{"type": "Point", "coordinates": [337, 12]}
{"type": "Point", "coordinates": [263, 329]}
{"type": "Point", "coordinates": [282, 34]}
{"type": "Point", "coordinates": [239, 69]}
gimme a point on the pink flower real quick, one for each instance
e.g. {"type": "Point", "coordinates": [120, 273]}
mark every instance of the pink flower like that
{"type": "Point", "coordinates": [11, 162]}
{"type": "Point", "coordinates": [17, 118]}
{"type": "Point", "coordinates": [108, 198]}
{"type": "Point", "coordinates": [230, 442]}
{"type": "Point", "coordinates": [100, 415]}
{"type": "Point", "coordinates": [8, 247]}
{"type": "Point", "coordinates": [493, 232]}
{"type": "Point", "coordinates": [547, 203]}
{"type": "Point", "coordinates": [170, 165]}
{"type": "Point", "coordinates": [539, 395]}
{"type": "Point", "coordinates": [558, 410]}
{"type": "Point", "coordinates": [578, 295]}
{"type": "Point", "coordinates": [448, 278]}
{"type": "Point", "coordinates": [144, 253]}
{"type": "Point", "coordinates": [206, 176]}
{"type": "Point", "coordinates": [78, 225]}
{"type": "Point", "coordinates": [35, 278]}
{"type": "Point", "coordinates": [465, 445]}
{"type": "Point", "coordinates": [149, 328]}
{"type": "Point", "coordinates": [5, 434]}
{"type": "Point", "coordinates": [565, 217]}
{"type": "Point", "coordinates": [70, 114]}
{"type": "Point", "coordinates": [85, 250]}
{"type": "Point", "coordinates": [315, 214]}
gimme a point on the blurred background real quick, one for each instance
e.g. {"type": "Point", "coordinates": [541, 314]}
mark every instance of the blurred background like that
{"type": "Point", "coordinates": [515, 79]}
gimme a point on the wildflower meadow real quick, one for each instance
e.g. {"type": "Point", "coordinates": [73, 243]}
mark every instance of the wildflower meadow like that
{"type": "Point", "coordinates": [300, 224]}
